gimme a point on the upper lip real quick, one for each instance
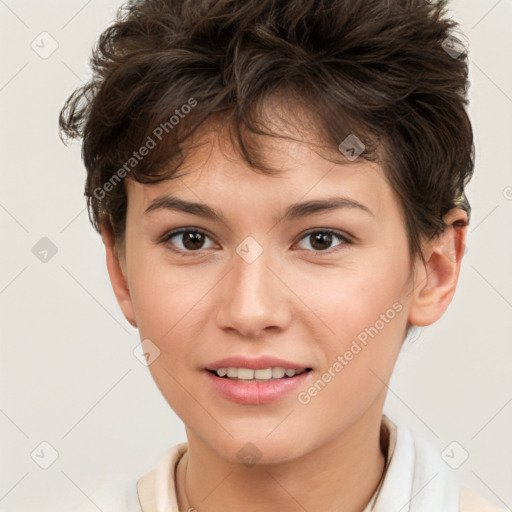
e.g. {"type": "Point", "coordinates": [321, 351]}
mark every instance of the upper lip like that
{"type": "Point", "coordinates": [257, 363]}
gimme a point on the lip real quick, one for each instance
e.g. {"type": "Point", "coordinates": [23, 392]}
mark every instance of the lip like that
{"type": "Point", "coordinates": [257, 363]}
{"type": "Point", "coordinates": [255, 393]}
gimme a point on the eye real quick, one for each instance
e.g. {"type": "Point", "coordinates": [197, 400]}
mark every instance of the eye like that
{"type": "Point", "coordinates": [190, 240]}
{"type": "Point", "coordinates": [321, 240]}
{"type": "Point", "coordinates": [187, 240]}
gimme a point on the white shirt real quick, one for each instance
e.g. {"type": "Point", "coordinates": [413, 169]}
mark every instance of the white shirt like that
{"type": "Point", "coordinates": [416, 479]}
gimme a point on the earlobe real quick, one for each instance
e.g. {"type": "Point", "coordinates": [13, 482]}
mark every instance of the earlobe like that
{"type": "Point", "coordinates": [117, 275]}
{"type": "Point", "coordinates": [436, 280]}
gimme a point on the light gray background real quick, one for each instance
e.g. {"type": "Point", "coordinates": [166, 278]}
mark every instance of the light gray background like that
{"type": "Point", "coordinates": [68, 373]}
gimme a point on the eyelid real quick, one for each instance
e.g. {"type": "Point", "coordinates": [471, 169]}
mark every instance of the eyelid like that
{"type": "Point", "coordinates": [178, 231]}
{"type": "Point", "coordinates": [341, 234]}
{"type": "Point", "coordinates": [345, 237]}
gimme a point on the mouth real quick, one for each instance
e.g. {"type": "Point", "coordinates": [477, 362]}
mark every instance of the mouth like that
{"type": "Point", "coordinates": [257, 375]}
{"type": "Point", "coordinates": [256, 380]}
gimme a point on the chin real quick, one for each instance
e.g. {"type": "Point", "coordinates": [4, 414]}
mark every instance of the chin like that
{"type": "Point", "coordinates": [255, 448]}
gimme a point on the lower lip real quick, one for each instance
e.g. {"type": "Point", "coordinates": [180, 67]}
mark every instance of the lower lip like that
{"type": "Point", "coordinates": [256, 393]}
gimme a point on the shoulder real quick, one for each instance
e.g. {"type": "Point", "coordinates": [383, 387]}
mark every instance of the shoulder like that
{"type": "Point", "coordinates": [138, 494]}
{"type": "Point", "coordinates": [119, 496]}
{"type": "Point", "coordinates": [416, 473]}
{"type": "Point", "coordinates": [158, 485]}
{"type": "Point", "coordinates": [470, 501]}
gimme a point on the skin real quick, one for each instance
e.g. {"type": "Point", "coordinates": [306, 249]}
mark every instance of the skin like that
{"type": "Point", "coordinates": [323, 455]}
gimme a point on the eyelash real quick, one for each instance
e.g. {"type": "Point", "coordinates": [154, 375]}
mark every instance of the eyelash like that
{"type": "Point", "coordinates": [345, 239]}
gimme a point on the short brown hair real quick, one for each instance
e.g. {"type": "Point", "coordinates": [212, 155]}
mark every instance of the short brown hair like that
{"type": "Point", "coordinates": [378, 69]}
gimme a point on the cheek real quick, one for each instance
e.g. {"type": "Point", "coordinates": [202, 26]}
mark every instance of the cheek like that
{"type": "Point", "coordinates": [349, 299]}
{"type": "Point", "coordinates": [161, 295]}
{"type": "Point", "coordinates": [171, 310]}
{"type": "Point", "coordinates": [360, 315]}
{"type": "Point", "coordinates": [358, 358]}
{"type": "Point", "coordinates": [165, 307]}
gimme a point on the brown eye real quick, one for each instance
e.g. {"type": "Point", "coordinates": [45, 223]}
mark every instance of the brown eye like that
{"type": "Point", "coordinates": [193, 240]}
{"type": "Point", "coordinates": [186, 240]}
{"type": "Point", "coordinates": [321, 240]}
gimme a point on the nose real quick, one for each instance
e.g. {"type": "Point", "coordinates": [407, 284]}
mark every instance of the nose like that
{"type": "Point", "coordinates": [253, 297]}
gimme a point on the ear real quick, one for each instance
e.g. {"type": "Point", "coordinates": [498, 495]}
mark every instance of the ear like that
{"type": "Point", "coordinates": [436, 280]}
{"type": "Point", "coordinates": [117, 272]}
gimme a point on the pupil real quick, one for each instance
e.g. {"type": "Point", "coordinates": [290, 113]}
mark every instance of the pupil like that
{"type": "Point", "coordinates": [197, 240]}
{"type": "Point", "coordinates": [321, 237]}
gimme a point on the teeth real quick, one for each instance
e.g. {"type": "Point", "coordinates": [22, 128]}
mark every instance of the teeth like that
{"type": "Point", "coordinates": [250, 374]}
{"type": "Point", "coordinates": [245, 373]}
{"type": "Point", "coordinates": [278, 372]}
{"type": "Point", "coordinates": [262, 374]}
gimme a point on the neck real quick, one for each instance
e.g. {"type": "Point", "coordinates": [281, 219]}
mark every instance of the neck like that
{"type": "Point", "coordinates": [342, 474]}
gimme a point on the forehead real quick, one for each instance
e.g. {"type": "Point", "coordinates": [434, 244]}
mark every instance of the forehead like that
{"type": "Point", "coordinates": [214, 172]}
{"type": "Point", "coordinates": [225, 181]}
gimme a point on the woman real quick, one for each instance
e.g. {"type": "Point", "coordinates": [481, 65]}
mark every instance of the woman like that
{"type": "Point", "coordinates": [279, 186]}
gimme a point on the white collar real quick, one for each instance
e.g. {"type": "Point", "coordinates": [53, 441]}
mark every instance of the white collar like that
{"type": "Point", "coordinates": [416, 479]}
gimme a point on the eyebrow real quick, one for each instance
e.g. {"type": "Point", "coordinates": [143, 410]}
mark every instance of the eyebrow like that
{"type": "Point", "coordinates": [293, 212]}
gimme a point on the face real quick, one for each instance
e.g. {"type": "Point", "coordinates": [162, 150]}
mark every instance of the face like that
{"type": "Point", "coordinates": [327, 289]}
